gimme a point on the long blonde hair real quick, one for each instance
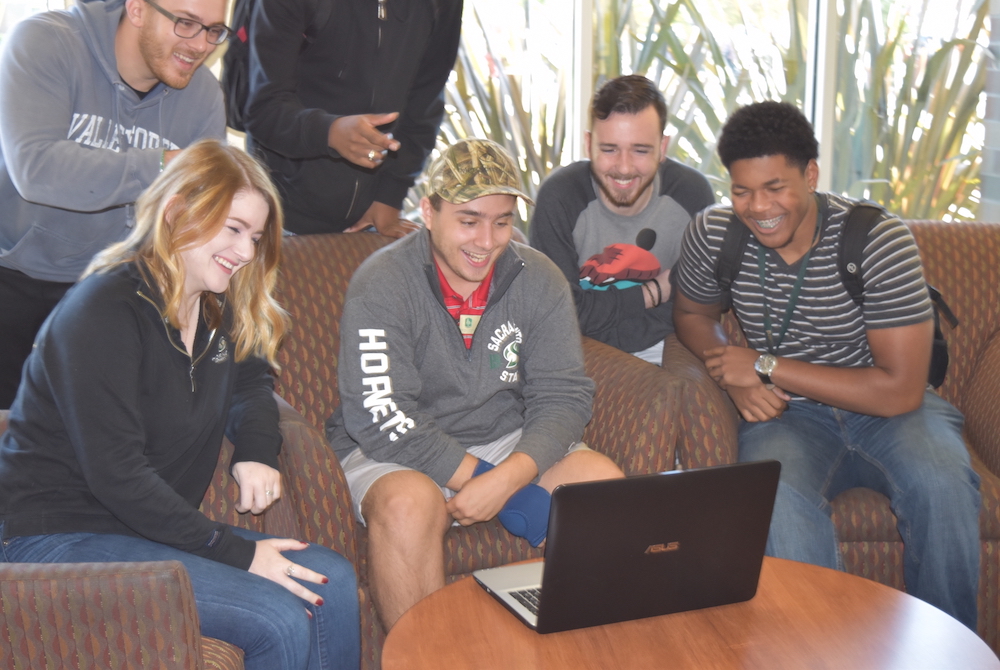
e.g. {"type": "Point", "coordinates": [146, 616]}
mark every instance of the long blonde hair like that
{"type": "Point", "coordinates": [186, 206]}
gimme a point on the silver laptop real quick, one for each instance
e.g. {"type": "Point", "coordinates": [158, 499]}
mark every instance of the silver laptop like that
{"type": "Point", "coordinates": [631, 548]}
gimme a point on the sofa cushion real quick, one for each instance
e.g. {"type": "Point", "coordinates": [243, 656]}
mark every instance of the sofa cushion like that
{"type": "Point", "coordinates": [99, 615]}
{"type": "Point", "coordinates": [315, 272]}
{"type": "Point", "coordinates": [962, 260]}
{"type": "Point", "coordinates": [982, 411]}
{"type": "Point", "coordinates": [863, 515]}
{"type": "Point", "coordinates": [219, 655]}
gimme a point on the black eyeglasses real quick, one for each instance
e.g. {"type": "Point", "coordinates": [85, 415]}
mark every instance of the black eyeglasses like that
{"type": "Point", "coordinates": [188, 28]}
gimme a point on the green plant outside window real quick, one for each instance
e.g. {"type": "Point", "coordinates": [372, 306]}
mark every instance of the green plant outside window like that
{"type": "Point", "coordinates": [907, 111]}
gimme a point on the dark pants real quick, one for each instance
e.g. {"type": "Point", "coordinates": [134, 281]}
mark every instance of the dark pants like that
{"type": "Point", "coordinates": [24, 305]}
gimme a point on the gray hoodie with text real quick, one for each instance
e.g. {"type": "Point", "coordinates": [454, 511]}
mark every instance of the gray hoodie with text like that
{"type": "Point", "coordinates": [411, 393]}
{"type": "Point", "coordinates": [77, 145]}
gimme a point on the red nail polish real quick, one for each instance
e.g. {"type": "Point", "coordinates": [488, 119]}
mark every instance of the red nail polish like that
{"type": "Point", "coordinates": [319, 603]}
{"type": "Point", "coordinates": [326, 581]}
{"type": "Point", "coordinates": [309, 614]}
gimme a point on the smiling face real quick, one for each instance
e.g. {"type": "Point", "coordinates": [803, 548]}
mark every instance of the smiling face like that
{"type": "Point", "coordinates": [167, 57]}
{"type": "Point", "coordinates": [775, 200]}
{"type": "Point", "coordinates": [625, 151]}
{"type": "Point", "coordinates": [210, 265]}
{"type": "Point", "coordinates": [467, 239]}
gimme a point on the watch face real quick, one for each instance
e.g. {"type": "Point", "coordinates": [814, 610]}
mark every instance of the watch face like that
{"type": "Point", "coordinates": [765, 364]}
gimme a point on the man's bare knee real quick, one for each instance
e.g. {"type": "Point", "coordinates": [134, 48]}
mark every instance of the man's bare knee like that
{"type": "Point", "coordinates": [405, 503]}
{"type": "Point", "coordinates": [583, 465]}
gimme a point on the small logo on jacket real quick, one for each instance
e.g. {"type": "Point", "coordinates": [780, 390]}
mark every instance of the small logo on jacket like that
{"type": "Point", "coordinates": [222, 355]}
{"type": "Point", "coordinates": [505, 341]}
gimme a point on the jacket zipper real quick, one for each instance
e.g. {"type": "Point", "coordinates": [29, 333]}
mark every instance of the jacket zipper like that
{"type": "Point", "coordinates": [166, 328]}
{"type": "Point", "coordinates": [354, 198]}
{"type": "Point", "coordinates": [498, 293]}
{"type": "Point", "coordinates": [382, 16]}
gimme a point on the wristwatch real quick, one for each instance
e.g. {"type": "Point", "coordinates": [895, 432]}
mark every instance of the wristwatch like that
{"type": "Point", "coordinates": [764, 367]}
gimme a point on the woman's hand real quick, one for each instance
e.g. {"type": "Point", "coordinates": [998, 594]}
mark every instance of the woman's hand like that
{"type": "Point", "coordinates": [270, 564]}
{"type": "Point", "coordinates": [260, 486]}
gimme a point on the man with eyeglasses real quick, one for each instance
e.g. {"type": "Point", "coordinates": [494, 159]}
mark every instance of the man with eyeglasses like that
{"type": "Point", "coordinates": [94, 101]}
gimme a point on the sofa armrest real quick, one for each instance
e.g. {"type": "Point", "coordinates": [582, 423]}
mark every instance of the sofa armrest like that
{"type": "Point", "coordinates": [99, 615]}
{"type": "Point", "coordinates": [315, 484]}
{"type": "Point", "coordinates": [634, 406]}
{"type": "Point", "coordinates": [707, 417]}
{"type": "Point", "coordinates": [980, 399]}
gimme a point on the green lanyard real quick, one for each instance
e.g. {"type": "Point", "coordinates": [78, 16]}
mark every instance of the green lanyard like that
{"type": "Point", "coordinates": [772, 345]}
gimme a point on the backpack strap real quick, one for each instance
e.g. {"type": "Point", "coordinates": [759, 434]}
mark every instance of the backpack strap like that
{"type": "Point", "coordinates": [857, 228]}
{"type": "Point", "coordinates": [853, 241]}
{"type": "Point", "coordinates": [942, 307]}
{"type": "Point", "coordinates": [731, 258]}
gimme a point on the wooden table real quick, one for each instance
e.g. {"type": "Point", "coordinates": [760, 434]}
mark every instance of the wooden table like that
{"type": "Point", "coordinates": [802, 617]}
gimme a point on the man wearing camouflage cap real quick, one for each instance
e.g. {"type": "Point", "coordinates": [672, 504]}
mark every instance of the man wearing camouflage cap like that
{"type": "Point", "coordinates": [463, 393]}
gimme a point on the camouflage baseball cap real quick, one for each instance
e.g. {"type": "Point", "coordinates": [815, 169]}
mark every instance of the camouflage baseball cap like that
{"type": "Point", "coordinates": [470, 169]}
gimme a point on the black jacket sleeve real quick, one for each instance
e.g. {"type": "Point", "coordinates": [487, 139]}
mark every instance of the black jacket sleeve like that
{"type": "Point", "coordinates": [276, 116]}
{"type": "Point", "coordinates": [252, 424]}
{"type": "Point", "coordinates": [420, 119]}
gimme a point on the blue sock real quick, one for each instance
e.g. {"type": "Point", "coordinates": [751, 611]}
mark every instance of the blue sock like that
{"type": "Point", "coordinates": [526, 513]}
{"type": "Point", "coordinates": [482, 467]}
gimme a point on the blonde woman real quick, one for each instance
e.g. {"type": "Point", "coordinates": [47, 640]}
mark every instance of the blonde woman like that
{"type": "Point", "coordinates": [161, 349]}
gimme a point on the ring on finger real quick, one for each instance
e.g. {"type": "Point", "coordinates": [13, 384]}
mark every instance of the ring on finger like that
{"type": "Point", "coordinates": [290, 570]}
{"type": "Point", "coordinates": [268, 493]}
{"type": "Point", "coordinates": [371, 155]}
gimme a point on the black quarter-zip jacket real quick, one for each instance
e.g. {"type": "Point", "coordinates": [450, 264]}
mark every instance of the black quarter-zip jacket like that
{"type": "Point", "coordinates": [356, 63]}
{"type": "Point", "coordinates": [116, 429]}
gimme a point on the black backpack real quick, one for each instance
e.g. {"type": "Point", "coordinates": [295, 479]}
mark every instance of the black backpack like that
{"type": "Point", "coordinates": [859, 224]}
{"type": "Point", "coordinates": [236, 61]}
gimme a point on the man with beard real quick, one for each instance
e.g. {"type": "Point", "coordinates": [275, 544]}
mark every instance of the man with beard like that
{"type": "Point", "coordinates": [94, 101]}
{"type": "Point", "coordinates": [625, 210]}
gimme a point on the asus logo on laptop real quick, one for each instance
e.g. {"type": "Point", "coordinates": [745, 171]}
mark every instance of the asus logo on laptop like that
{"type": "Point", "coordinates": [662, 548]}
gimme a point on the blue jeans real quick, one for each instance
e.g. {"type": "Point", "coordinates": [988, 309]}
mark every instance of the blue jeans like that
{"type": "Point", "coordinates": [260, 617]}
{"type": "Point", "coordinates": [918, 460]}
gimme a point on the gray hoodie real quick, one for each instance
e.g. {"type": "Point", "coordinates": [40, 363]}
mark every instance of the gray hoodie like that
{"type": "Point", "coordinates": [412, 394]}
{"type": "Point", "coordinates": [77, 145]}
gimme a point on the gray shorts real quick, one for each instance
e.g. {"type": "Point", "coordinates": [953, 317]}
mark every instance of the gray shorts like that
{"type": "Point", "coordinates": [361, 472]}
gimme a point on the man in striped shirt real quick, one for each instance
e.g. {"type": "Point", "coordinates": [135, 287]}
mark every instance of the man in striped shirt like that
{"type": "Point", "coordinates": [836, 392]}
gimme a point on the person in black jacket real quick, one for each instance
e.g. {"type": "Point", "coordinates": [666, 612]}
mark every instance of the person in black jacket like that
{"type": "Point", "coordinates": [136, 376]}
{"type": "Point", "coordinates": [345, 113]}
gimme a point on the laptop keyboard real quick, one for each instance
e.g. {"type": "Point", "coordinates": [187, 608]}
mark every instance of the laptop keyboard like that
{"type": "Point", "coordinates": [529, 598]}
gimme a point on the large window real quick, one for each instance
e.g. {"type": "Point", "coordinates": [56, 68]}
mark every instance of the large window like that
{"type": "Point", "coordinates": [708, 59]}
{"type": "Point", "coordinates": [909, 105]}
{"type": "Point", "coordinates": [900, 98]}
{"type": "Point", "coordinates": [12, 11]}
{"type": "Point", "coordinates": [899, 95]}
{"type": "Point", "coordinates": [512, 84]}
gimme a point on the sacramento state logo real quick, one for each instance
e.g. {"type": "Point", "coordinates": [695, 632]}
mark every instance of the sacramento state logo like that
{"type": "Point", "coordinates": [505, 342]}
{"type": "Point", "coordinates": [510, 355]}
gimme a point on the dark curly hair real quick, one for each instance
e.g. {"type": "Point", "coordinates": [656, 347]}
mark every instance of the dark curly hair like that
{"type": "Point", "coordinates": [768, 129]}
{"type": "Point", "coordinates": [628, 95]}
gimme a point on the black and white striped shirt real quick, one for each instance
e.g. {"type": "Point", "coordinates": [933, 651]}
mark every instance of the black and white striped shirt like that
{"type": "Point", "coordinates": [826, 326]}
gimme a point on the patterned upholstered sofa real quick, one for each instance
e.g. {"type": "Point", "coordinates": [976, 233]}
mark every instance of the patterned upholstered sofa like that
{"type": "Point", "coordinates": [153, 628]}
{"type": "Point", "coordinates": [963, 262]}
